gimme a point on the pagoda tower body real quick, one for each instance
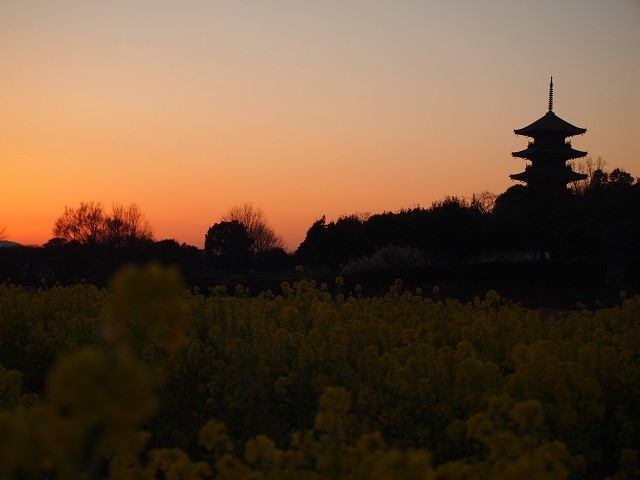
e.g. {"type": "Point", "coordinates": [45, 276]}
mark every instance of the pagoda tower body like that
{"type": "Point", "coordinates": [549, 152]}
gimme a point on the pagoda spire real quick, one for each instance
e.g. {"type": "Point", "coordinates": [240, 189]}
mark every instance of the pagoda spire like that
{"type": "Point", "coordinates": [549, 152]}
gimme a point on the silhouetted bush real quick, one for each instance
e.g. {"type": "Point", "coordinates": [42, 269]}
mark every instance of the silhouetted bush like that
{"type": "Point", "coordinates": [387, 257]}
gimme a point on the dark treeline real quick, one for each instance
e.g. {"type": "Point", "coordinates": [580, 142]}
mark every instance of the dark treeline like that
{"type": "Point", "coordinates": [596, 221]}
{"type": "Point", "coordinates": [600, 222]}
{"type": "Point", "coordinates": [74, 262]}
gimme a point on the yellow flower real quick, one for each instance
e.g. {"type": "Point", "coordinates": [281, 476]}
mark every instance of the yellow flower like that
{"type": "Point", "coordinates": [96, 388]}
{"type": "Point", "coordinates": [260, 451]}
{"type": "Point", "coordinates": [214, 438]}
{"type": "Point", "coordinates": [147, 303]}
{"type": "Point", "coordinates": [333, 406]}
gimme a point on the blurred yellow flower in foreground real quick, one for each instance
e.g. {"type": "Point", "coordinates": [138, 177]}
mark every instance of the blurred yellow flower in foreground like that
{"type": "Point", "coordinates": [94, 387]}
{"type": "Point", "coordinates": [147, 304]}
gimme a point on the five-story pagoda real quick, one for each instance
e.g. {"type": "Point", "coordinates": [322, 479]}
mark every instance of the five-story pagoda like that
{"type": "Point", "coordinates": [549, 152]}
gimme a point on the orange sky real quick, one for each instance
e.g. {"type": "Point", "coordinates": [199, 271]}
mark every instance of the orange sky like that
{"type": "Point", "coordinates": [303, 108]}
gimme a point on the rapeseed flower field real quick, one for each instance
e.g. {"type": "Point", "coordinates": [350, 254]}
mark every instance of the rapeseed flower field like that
{"type": "Point", "coordinates": [147, 379]}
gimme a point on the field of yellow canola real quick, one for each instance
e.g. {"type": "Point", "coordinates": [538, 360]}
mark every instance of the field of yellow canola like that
{"type": "Point", "coordinates": [146, 379]}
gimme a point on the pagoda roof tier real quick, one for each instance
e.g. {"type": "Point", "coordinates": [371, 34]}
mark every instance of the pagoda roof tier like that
{"type": "Point", "coordinates": [536, 150]}
{"type": "Point", "coordinates": [550, 123]}
{"type": "Point", "coordinates": [537, 173]}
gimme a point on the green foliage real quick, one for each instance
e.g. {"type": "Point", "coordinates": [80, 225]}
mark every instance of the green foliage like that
{"type": "Point", "coordinates": [147, 380]}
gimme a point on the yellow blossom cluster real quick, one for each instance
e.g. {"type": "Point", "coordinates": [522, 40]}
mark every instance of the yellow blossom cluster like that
{"type": "Point", "coordinates": [148, 380]}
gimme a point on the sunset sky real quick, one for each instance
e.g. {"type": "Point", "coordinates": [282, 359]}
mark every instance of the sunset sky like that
{"type": "Point", "coordinates": [305, 108]}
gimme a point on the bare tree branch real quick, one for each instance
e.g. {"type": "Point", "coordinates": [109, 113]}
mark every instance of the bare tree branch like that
{"type": "Point", "coordinates": [262, 236]}
{"type": "Point", "coordinates": [89, 224]}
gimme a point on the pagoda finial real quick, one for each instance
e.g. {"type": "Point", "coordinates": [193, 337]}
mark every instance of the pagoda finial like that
{"type": "Point", "coordinates": [551, 95]}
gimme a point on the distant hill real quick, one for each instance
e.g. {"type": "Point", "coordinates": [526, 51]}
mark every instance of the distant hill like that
{"type": "Point", "coordinates": [8, 244]}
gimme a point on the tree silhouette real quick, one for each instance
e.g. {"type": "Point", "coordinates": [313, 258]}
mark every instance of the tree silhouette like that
{"type": "Point", "coordinates": [456, 229]}
{"type": "Point", "coordinates": [618, 178]}
{"type": "Point", "coordinates": [126, 224]}
{"type": "Point", "coordinates": [84, 224]}
{"type": "Point", "coordinates": [484, 202]}
{"type": "Point", "coordinates": [599, 180]}
{"type": "Point", "coordinates": [263, 237]}
{"type": "Point", "coordinates": [313, 248]}
{"type": "Point", "coordinates": [89, 224]}
{"type": "Point", "coordinates": [586, 166]}
{"type": "Point", "coordinates": [453, 229]}
{"type": "Point", "coordinates": [228, 243]}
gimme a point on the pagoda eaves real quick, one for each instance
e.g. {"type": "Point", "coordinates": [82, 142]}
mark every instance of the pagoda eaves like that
{"type": "Point", "coordinates": [550, 123]}
{"type": "Point", "coordinates": [535, 150]}
{"type": "Point", "coordinates": [561, 176]}
{"type": "Point", "coordinates": [549, 152]}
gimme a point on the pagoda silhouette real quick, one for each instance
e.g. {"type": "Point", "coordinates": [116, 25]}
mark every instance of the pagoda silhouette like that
{"type": "Point", "coordinates": [549, 152]}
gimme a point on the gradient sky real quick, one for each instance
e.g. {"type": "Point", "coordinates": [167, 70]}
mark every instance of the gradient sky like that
{"type": "Point", "coordinates": [303, 108]}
